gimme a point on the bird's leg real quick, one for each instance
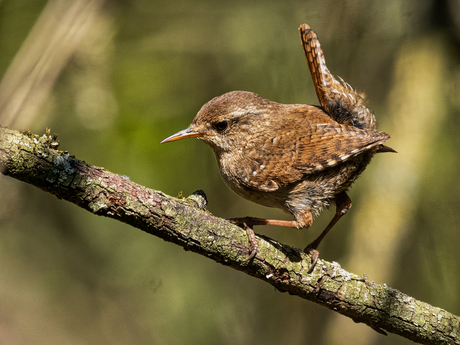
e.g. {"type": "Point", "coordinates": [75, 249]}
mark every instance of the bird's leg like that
{"type": "Point", "coordinates": [303, 220]}
{"type": "Point", "coordinates": [251, 221]}
{"type": "Point", "coordinates": [343, 204]}
{"type": "Point", "coordinates": [248, 223]}
{"type": "Point", "coordinates": [253, 244]}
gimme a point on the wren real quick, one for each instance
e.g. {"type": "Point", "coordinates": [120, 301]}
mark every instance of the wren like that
{"type": "Point", "coordinates": [296, 157]}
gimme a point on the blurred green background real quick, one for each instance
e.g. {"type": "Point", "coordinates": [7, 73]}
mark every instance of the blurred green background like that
{"type": "Point", "coordinates": [114, 78]}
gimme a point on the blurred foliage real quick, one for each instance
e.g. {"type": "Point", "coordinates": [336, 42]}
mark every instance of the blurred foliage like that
{"type": "Point", "coordinates": [141, 73]}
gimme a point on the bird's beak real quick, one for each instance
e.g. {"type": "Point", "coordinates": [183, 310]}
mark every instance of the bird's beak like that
{"type": "Point", "coordinates": [185, 133]}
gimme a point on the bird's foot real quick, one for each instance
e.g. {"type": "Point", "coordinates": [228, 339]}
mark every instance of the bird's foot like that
{"type": "Point", "coordinates": [247, 224]}
{"type": "Point", "coordinates": [314, 254]}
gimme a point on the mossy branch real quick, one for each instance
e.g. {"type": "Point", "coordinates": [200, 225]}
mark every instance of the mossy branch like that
{"type": "Point", "coordinates": [36, 160]}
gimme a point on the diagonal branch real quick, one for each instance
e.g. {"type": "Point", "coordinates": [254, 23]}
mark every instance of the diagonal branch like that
{"type": "Point", "coordinates": [37, 161]}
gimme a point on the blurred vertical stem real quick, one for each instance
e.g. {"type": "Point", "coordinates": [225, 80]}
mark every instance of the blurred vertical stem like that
{"type": "Point", "coordinates": [55, 36]}
{"type": "Point", "coordinates": [416, 105]}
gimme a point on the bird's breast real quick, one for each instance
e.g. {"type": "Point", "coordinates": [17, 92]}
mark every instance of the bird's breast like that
{"type": "Point", "coordinates": [244, 176]}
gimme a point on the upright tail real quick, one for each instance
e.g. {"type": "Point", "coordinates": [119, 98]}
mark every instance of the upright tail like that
{"type": "Point", "coordinates": [338, 99]}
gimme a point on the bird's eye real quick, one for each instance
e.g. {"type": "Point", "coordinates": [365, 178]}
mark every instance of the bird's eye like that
{"type": "Point", "coordinates": [221, 125]}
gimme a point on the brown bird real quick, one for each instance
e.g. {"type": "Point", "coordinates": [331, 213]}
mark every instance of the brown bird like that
{"type": "Point", "coordinates": [296, 157]}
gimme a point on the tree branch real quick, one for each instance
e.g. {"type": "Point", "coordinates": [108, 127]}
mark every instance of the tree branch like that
{"type": "Point", "coordinates": [37, 161]}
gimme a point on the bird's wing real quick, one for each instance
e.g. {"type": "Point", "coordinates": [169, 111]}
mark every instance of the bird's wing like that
{"type": "Point", "coordinates": [287, 158]}
{"type": "Point", "coordinates": [330, 144]}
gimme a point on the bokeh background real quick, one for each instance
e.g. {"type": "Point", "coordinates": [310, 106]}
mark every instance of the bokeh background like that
{"type": "Point", "coordinates": [113, 78]}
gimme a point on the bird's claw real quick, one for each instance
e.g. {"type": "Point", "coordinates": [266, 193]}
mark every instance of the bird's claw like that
{"type": "Point", "coordinates": [246, 225]}
{"type": "Point", "coordinates": [314, 254]}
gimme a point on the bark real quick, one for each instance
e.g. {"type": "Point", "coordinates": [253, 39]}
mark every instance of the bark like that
{"type": "Point", "coordinates": [185, 221]}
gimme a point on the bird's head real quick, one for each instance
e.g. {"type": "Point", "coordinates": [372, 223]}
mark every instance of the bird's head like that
{"type": "Point", "coordinates": [227, 122]}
